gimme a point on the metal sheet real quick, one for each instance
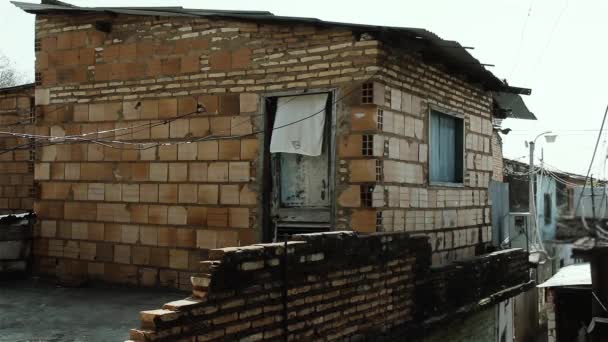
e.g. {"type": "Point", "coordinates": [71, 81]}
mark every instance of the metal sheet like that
{"type": "Point", "coordinates": [499, 194]}
{"type": "Point", "coordinates": [304, 180]}
{"type": "Point", "coordinates": [432, 48]}
{"type": "Point", "coordinates": [513, 106]}
{"type": "Point", "coordinates": [573, 275]}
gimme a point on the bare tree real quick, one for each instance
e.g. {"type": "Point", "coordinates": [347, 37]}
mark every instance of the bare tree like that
{"type": "Point", "coordinates": [9, 76]}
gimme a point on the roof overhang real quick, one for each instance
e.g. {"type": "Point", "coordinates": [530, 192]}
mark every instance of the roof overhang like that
{"type": "Point", "coordinates": [511, 105]}
{"type": "Point", "coordinates": [17, 88]}
{"type": "Point", "coordinates": [574, 275]}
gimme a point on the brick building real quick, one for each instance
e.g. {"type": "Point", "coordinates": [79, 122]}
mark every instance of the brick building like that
{"type": "Point", "coordinates": [16, 166]}
{"type": "Point", "coordinates": [163, 122]}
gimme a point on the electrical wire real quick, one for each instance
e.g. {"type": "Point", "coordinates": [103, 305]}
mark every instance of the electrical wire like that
{"type": "Point", "coordinates": [521, 40]}
{"type": "Point", "coordinates": [592, 158]}
{"type": "Point", "coordinates": [52, 140]}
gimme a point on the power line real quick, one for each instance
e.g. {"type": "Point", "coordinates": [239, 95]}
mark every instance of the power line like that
{"type": "Point", "coordinates": [592, 158]}
{"type": "Point", "coordinates": [549, 39]}
{"type": "Point", "coordinates": [521, 40]}
{"type": "Point", "coordinates": [53, 140]}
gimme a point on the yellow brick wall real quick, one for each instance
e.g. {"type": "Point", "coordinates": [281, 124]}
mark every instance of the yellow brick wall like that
{"type": "Point", "coordinates": [148, 216]}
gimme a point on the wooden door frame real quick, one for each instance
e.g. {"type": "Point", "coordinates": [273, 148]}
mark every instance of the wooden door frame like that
{"type": "Point", "coordinates": [264, 207]}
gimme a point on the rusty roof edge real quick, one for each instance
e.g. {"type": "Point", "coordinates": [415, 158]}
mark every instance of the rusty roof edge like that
{"type": "Point", "coordinates": [447, 52]}
{"type": "Point", "coordinates": [17, 87]}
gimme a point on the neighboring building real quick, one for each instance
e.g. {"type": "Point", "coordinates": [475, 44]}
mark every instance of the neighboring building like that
{"type": "Point", "coordinates": [16, 154]}
{"type": "Point", "coordinates": [569, 303]}
{"type": "Point", "coordinates": [516, 174]}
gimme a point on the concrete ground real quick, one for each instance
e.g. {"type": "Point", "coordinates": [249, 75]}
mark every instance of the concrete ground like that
{"type": "Point", "coordinates": [33, 310]}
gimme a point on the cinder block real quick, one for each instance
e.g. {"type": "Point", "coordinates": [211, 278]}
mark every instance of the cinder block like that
{"type": "Point", "coordinates": [179, 128]}
{"type": "Point", "coordinates": [187, 151]}
{"type": "Point", "coordinates": [177, 215]}
{"type": "Point", "coordinates": [217, 217]}
{"type": "Point", "coordinates": [158, 172]}
{"type": "Point", "coordinates": [113, 192]}
{"type": "Point", "coordinates": [122, 254]}
{"type": "Point", "coordinates": [130, 192]}
{"type": "Point", "coordinates": [157, 214]}
{"type": "Point", "coordinates": [140, 255]}
{"type": "Point", "coordinates": [88, 250]}
{"type": "Point", "coordinates": [197, 172]}
{"type": "Point", "coordinates": [208, 194]}
{"type": "Point", "coordinates": [148, 235]}
{"type": "Point", "coordinates": [239, 172]}
{"type": "Point", "coordinates": [178, 172]}
{"type": "Point", "coordinates": [217, 172]}
{"type": "Point", "coordinates": [130, 234]}
{"type": "Point", "coordinates": [167, 193]}
{"type": "Point", "coordinates": [206, 239]}
{"type": "Point", "coordinates": [249, 102]}
{"type": "Point", "coordinates": [188, 193]}
{"type": "Point", "coordinates": [178, 258]}
{"type": "Point", "coordinates": [364, 220]}
{"type": "Point", "coordinates": [239, 217]}
{"type": "Point", "coordinates": [229, 194]}
{"type": "Point", "coordinates": [148, 192]}
{"type": "Point", "coordinates": [167, 108]}
{"type": "Point", "coordinates": [167, 236]}
{"type": "Point", "coordinates": [167, 152]}
{"type": "Point", "coordinates": [249, 149]}
{"type": "Point", "coordinates": [112, 232]}
{"type": "Point", "coordinates": [147, 276]}
{"type": "Point", "coordinates": [208, 150]}
{"type": "Point", "coordinates": [229, 149]}
{"type": "Point", "coordinates": [186, 238]}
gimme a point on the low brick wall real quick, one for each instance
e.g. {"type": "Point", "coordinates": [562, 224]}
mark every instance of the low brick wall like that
{"type": "Point", "coordinates": [337, 284]}
{"type": "Point", "coordinates": [448, 288]}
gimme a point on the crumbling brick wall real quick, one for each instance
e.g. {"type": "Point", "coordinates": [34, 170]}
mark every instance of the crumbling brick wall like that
{"type": "Point", "coordinates": [16, 155]}
{"type": "Point", "coordinates": [336, 285]}
{"type": "Point", "coordinates": [339, 286]}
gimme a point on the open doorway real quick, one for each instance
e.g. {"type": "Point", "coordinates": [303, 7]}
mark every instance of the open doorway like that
{"type": "Point", "coordinates": [298, 159]}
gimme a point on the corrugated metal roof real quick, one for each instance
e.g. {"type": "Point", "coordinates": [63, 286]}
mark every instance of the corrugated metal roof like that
{"type": "Point", "coordinates": [573, 275]}
{"type": "Point", "coordinates": [513, 106]}
{"type": "Point", "coordinates": [428, 45]}
{"type": "Point", "coordinates": [15, 88]}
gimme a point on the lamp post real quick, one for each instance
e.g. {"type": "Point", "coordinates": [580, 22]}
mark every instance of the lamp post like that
{"type": "Point", "coordinates": [550, 138]}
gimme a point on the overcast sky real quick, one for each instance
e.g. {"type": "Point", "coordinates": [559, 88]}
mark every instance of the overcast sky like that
{"type": "Point", "coordinates": [555, 47]}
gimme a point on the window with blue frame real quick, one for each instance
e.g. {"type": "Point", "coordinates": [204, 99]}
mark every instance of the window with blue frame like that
{"type": "Point", "coordinates": [446, 148]}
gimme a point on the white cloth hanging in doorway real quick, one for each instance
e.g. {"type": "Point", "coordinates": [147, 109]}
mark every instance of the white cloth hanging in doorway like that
{"type": "Point", "coordinates": [298, 125]}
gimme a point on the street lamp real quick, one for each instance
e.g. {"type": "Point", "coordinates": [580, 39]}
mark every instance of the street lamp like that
{"type": "Point", "coordinates": [549, 138]}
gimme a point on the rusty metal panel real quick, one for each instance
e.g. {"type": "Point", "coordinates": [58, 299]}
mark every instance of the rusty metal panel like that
{"type": "Point", "coordinates": [304, 180]}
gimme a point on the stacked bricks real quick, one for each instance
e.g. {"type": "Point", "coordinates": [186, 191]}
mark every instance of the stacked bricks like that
{"type": "Point", "coordinates": [332, 285]}
{"type": "Point", "coordinates": [449, 287]}
{"type": "Point", "coordinates": [16, 165]}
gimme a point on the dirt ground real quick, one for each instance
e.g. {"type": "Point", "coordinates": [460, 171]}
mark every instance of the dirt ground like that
{"type": "Point", "coordinates": [36, 310]}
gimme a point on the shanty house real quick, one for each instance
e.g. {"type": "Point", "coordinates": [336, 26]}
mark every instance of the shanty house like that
{"type": "Point", "coordinates": [175, 131]}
